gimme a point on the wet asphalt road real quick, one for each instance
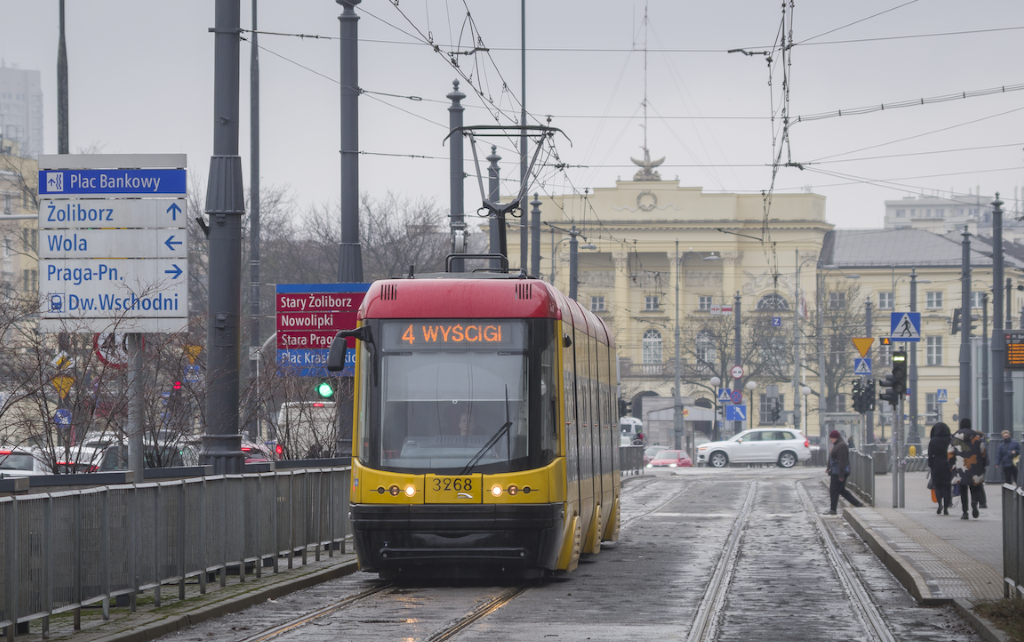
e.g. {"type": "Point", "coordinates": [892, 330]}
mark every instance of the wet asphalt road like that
{"type": "Point", "coordinates": [647, 586]}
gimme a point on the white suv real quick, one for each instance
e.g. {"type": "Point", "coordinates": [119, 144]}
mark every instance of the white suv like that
{"type": "Point", "coordinates": [781, 446]}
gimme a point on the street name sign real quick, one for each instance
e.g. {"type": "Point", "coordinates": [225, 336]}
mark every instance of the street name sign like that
{"type": "Point", "coordinates": [776, 322]}
{"type": "Point", "coordinates": [113, 244]}
{"type": "Point", "coordinates": [905, 326]}
{"type": "Point", "coordinates": [308, 318]}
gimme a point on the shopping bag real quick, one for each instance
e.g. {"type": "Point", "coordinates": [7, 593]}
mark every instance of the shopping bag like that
{"type": "Point", "coordinates": [935, 500]}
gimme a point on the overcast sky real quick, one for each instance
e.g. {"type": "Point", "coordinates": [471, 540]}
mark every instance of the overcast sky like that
{"type": "Point", "coordinates": [141, 80]}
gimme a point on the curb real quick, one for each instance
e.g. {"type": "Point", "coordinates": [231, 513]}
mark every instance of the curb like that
{"type": "Point", "coordinates": [235, 604]}
{"type": "Point", "coordinates": [984, 627]}
{"type": "Point", "coordinates": [896, 563]}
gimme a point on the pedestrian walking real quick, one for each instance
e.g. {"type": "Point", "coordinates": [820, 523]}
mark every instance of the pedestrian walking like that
{"type": "Point", "coordinates": [838, 468]}
{"type": "Point", "coordinates": [1008, 451]}
{"type": "Point", "coordinates": [967, 456]}
{"type": "Point", "coordinates": [938, 464]}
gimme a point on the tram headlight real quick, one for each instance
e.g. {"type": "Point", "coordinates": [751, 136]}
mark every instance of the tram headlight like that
{"type": "Point", "coordinates": [496, 490]}
{"type": "Point", "coordinates": [410, 490]}
{"type": "Point", "coordinates": [512, 490]}
{"type": "Point", "coordinates": [394, 490]}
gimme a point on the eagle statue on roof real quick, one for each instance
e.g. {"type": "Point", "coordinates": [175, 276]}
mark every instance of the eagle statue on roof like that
{"type": "Point", "coordinates": [647, 166]}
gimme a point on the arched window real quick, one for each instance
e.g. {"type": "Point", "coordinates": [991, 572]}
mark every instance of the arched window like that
{"type": "Point", "coordinates": [651, 346]}
{"type": "Point", "coordinates": [772, 302]}
{"type": "Point", "coordinates": [705, 350]}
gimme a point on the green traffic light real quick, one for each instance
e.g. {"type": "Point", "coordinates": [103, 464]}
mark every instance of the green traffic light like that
{"type": "Point", "coordinates": [325, 390]}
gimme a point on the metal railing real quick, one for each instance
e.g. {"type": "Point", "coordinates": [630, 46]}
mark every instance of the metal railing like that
{"type": "Point", "coordinates": [61, 551]}
{"type": "Point", "coordinates": [631, 460]}
{"type": "Point", "coordinates": [862, 475]}
{"type": "Point", "coordinates": [1013, 541]}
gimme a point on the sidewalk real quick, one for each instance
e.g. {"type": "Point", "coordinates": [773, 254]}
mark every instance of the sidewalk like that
{"type": "Point", "coordinates": [938, 558]}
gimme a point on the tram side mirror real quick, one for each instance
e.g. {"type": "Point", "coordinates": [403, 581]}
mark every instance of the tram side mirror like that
{"type": "Point", "coordinates": [339, 347]}
{"type": "Point", "coordinates": [566, 341]}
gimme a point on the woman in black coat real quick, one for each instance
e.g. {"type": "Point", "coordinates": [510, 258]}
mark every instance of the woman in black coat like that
{"type": "Point", "coordinates": [938, 462]}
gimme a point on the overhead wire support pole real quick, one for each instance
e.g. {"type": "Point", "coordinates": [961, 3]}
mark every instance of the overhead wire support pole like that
{"type": "Point", "coordinates": [254, 215]}
{"type": "Point", "coordinates": [225, 205]}
{"type": "Point", "coordinates": [1000, 416]}
{"type": "Point", "coordinates": [965, 331]}
{"type": "Point", "coordinates": [457, 203]}
{"type": "Point", "coordinates": [350, 258]}
{"type": "Point", "coordinates": [913, 437]}
{"type": "Point", "coordinates": [524, 231]}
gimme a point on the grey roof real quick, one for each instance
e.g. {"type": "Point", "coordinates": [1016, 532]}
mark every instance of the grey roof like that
{"type": "Point", "coordinates": [904, 247]}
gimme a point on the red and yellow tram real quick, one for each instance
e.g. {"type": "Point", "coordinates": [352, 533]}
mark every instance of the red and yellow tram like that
{"type": "Point", "coordinates": [485, 433]}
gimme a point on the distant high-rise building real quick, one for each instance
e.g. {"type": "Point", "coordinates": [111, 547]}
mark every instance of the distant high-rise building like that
{"type": "Point", "coordinates": [21, 109]}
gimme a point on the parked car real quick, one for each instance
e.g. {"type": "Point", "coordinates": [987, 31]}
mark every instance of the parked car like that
{"type": "Point", "coordinates": [781, 446]}
{"type": "Point", "coordinates": [671, 459]}
{"type": "Point", "coordinates": [19, 463]}
{"type": "Point", "coordinates": [651, 451]}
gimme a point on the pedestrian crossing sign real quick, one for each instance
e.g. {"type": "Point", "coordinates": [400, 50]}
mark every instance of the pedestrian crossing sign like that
{"type": "Point", "coordinates": [862, 367]}
{"type": "Point", "coordinates": [724, 395]}
{"type": "Point", "coordinates": [905, 326]}
{"type": "Point", "coordinates": [941, 396]}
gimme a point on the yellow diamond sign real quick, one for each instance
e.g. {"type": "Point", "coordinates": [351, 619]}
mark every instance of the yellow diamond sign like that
{"type": "Point", "coordinates": [62, 385]}
{"type": "Point", "coordinates": [863, 344]}
{"type": "Point", "coordinates": [192, 352]}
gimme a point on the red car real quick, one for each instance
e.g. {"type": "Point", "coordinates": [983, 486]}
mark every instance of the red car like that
{"type": "Point", "coordinates": [671, 458]}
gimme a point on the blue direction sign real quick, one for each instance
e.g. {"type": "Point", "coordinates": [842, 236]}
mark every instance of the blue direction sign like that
{"type": "Point", "coordinates": [941, 396]}
{"type": "Point", "coordinates": [776, 322]}
{"type": "Point", "coordinates": [862, 367]}
{"type": "Point", "coordinates": [724, 395]}
{"type": "Point", "coordinates": [736, 413]}
{"type": "Point", "coordinates": [104, 182]}
{"type": "Point", "coordinates": [62, 417]}
{"type": "Point", "coordinates": [905, 326]}
{"type": "Point", "coordinates": [736, 396]}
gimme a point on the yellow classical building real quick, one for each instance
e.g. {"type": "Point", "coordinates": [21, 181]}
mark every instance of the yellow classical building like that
{"type": "Point", "coordinates": [19, 263]}
{"type": "Point", "coordinates": [646, 239]}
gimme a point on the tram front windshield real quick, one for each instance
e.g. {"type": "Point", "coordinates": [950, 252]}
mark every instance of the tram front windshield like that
{"type": "Point", "coordinates": [454, 395]}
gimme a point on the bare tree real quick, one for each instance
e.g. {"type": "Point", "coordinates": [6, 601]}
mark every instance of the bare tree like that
{"type": "Point", "coordinates": [840, 306]}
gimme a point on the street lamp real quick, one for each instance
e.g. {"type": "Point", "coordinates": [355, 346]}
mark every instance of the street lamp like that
{"type": "Point", "coordinates": [751, 385]}
{"type": "Point", "coordinates": [715, 382]}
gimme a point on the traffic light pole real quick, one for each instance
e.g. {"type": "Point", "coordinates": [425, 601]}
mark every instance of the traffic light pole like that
{"type": "Point", "coordinates": [136, 459]}
{"type": "Point", "coordinates": [913, 437]}
{"type": "Point", "coordinates": [869, 429]}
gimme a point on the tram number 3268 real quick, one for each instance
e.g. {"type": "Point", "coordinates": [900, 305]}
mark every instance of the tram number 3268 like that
{"type": "Point", "coordinates": [447, 483]}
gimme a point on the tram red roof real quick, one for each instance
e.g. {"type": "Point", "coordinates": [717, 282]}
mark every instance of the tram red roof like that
{"type": "Point", "coordinates": [476, 299]}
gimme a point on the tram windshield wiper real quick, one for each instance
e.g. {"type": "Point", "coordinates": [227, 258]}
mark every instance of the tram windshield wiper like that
{"type": "Point", "coordinates": [490, 444]}
{"type": "Point", "coordinates": [493, 440]}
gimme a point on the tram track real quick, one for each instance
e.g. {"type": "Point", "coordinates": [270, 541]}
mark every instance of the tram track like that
{"type": "Point", "coordinates": [303, 620]}
{"type": "Point", "coordinates": [863, 605]}
{"type": "Point", "coordinates": [705, 621]}
{"type": "Point", "coordinates": [686, 487]}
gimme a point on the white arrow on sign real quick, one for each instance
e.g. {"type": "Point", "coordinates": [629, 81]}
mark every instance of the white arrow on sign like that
{"type": "Point", "coordinates": [92, 213]}
{"type": "Point", "coordinates": [129, 244]}
{"type": "Point", "coordinates": [113, 288]}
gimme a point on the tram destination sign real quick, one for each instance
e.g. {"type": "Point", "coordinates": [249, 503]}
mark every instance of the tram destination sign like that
{"type": "Point", "coordinates": [1014, 349]}
{"type": "Point", "coordinates": [308, 317]}
{"type": "Point", "coordinates": [113, 244]}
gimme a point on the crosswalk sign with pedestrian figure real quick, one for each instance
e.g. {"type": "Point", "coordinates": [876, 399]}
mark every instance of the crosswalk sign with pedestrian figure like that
{"type": "Point", "coordinates": [941, 396]}
{"type": "Point", "coordinates": [905, 326]}
{"type": "Point", "coordinates": [862, 367]}
{"type": "Point", "coordinates": [724, 395]}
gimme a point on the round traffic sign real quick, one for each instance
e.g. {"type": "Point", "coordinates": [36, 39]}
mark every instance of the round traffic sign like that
{"type": "Point", "coordinates": [111, 348]}
{"type": "Point", "coordinates": [737, 372]}
{"type": "Point", "coordinates": [62, 417]}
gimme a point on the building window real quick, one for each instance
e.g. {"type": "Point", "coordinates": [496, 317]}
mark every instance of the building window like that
{"type": "Point", "coordinates": [772, 302]}
{"type": "Point", "coordinates": [651, 303]}
{"type": "Point", "coordinates": [885, 301]}
{"type": "Point", "coordinates": [840, 403]}
{"type": "Point", "coordinates": [933, 351]}
{"type": "Point", "coordinates": [933, 300]}
{"type": "Point", "coordinates": [976, 300]}
{"type": "Point", "coordinates": [931, 408]}
{"type": "Point", "coordinates": [901, 213]}
{"type": "Point", "coordinates": [651, 346]}
{"type": "Point", "coordinates": [597, 304]}
{"type": "Point", "coordinates": [766, 406]}
{"type": "Point", "coordinates": [940, 213]}
{"type": "Point", "coordinates": [705, 350]}
{"type": "Point", "coordinates": [704, 304]}
{"type": "Point", "coordinates": [837, 300]}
